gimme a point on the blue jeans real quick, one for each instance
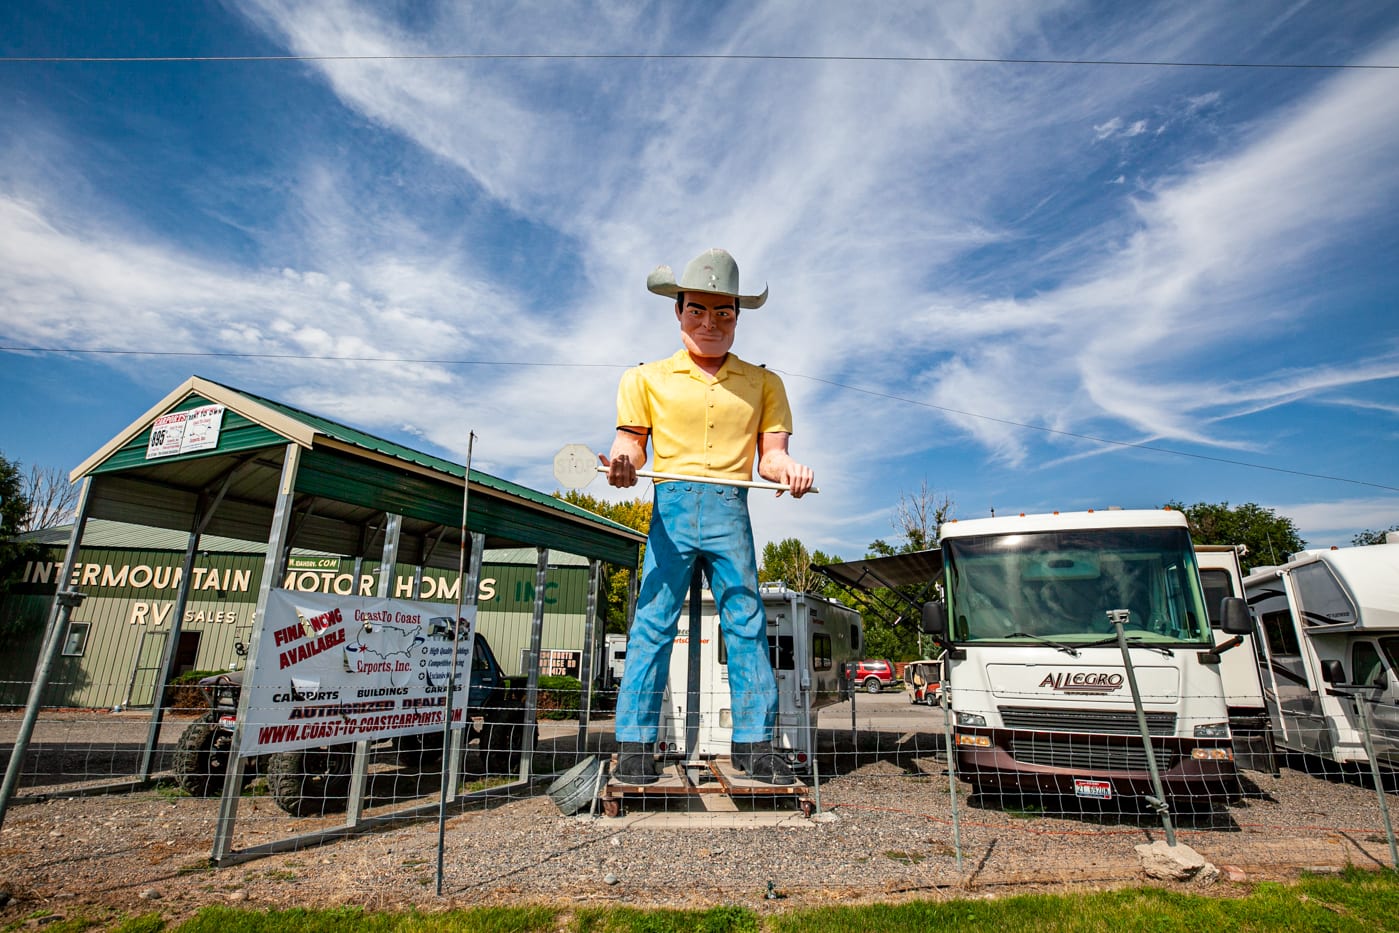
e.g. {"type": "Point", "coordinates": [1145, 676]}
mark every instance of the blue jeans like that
{"type": "Point", "coordinates": [704, 524]}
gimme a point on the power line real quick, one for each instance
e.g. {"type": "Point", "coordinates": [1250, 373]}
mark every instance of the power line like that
{"type": "Point", "coordinates": [686, 56]}
{"type": "Point", "coordinates": [1086, 437]}
{"type": "Point", "coordinates": [830, 382]}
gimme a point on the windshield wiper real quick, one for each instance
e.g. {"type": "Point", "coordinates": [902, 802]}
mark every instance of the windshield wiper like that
{"type": "Point", "coordinates": [1135, 640]}
{"type": "Point", "coordinates": [1067, 649]}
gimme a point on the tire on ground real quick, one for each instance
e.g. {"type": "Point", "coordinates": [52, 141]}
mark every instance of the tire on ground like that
{"type": "Point", "coordinates": [201, 758]}
{"type": "Point", "coordinates": [420, 751]}
{"type": "Point", "coordinates": [872, 685]}
{"type": "Point", "coordinates": [500, 743]}
{"type": "Point", "coordinates": [312, 781]}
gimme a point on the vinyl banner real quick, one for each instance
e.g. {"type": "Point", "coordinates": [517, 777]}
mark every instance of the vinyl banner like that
{"type": "Point", "coordinates": [333, 669]}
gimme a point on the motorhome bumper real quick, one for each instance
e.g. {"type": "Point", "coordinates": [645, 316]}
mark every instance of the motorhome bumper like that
{"type": "Point", "coordinates": [1053, 763]}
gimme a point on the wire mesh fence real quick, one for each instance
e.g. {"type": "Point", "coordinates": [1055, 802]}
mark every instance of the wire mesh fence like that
{"type": "Point", "coordinates": [885, 807]}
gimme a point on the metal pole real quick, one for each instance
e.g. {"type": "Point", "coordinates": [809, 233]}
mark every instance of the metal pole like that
{"type": "Point", "coordinates": [63, 603]}
{"type": "Point", "coordinates": [278, 544]}
{"type": "Point", "coordinates": [388, 576]}
{"type": "Point", "coordinates": [203, 513]}
{"type": "Point", "coordinates": [692, 690]}
{"type": "Point", "coordinates": [1375, 773]}
{"type": "Point", "coordinates": [448, 759]}
{"type": "Point", "coordinates": [805, 650]}
{"type": "Point", "coordinates": [1119, 617]}
{"type": "Point", "coordinates": [167, 660]}
{"type": "Point", "coordinates": [951, 768]}
{"type": "Point", "coordinates": [536, 638]}
{"type": "Point", "coordinates": [585, 672]}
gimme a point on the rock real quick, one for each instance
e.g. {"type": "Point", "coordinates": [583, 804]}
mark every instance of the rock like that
{"type": "Point", "coordinates": [1174, 863]}
{"type": "Point", "coordinates": [150, 894]}
{"type": "Point", "coordinates": [237, 897]}
{"type": "Point", "coordinates": [609, 878]}
{"type": "Point", "coordinates": [1233, 873]}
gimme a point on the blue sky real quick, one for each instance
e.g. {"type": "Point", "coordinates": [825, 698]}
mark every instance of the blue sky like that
{"type": "Point", "coordinates": [1027, 286]}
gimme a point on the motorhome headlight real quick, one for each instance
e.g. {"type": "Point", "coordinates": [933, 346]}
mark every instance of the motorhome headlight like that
{"type": "Point", "coordinates": [1212, 730]}
{"type": "Point", "coordinates": [1212, 754]}
{"type": "Point", "coordinates": [971, 719]}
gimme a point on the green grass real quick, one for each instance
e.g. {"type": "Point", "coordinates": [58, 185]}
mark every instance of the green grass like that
{"type": "Point", "coordinates": [1355, 902]}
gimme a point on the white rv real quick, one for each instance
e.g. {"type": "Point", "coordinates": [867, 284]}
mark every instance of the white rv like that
{"type": "Point", "coordinates": [1330, 618]}
{"type": "Point", "coordinates": [614, 660]}
{"type": "Point", "coordinates": [1039, 689]}
{"type": "Point", "coordinates": [810, 639]}
{"type": "Point", "coordinates": [1221, 575]}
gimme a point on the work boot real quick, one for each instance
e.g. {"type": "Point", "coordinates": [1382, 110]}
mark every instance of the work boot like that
{"type": "Point", "coordinates": [761, 763]}
{"type": "Point", "coordinates": [636, 763]}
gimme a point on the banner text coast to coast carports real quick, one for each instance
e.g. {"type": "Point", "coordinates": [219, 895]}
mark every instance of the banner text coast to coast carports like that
{"type": "Point", "coordinates": [342, 668]}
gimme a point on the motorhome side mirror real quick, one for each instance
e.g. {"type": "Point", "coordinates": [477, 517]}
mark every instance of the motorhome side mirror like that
{"type": "Point", "coordinates": [1234, 617]}
{"type": "Point", "coordinates": [1332, 672]}
{"type": "Point", "coordinates": [935, 618]}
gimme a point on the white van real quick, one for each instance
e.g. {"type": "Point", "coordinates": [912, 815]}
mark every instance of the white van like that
{"type": "Point", "coordinates": [810, 639]}
{"type": "Point", "coordinates": [1330, 618]}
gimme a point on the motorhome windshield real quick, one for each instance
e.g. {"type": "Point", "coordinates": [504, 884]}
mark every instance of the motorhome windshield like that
{"type": "Point", "coordinates": [1060, 585]}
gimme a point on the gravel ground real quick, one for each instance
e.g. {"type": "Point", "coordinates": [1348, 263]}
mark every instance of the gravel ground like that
{"type": "Point", "coordinates": [885, 832]}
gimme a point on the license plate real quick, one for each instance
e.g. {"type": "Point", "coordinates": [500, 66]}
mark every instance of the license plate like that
{"type": "Point", "coordinates": [1098, 790]}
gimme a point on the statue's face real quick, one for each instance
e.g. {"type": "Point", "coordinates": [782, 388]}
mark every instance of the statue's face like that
{"type": "Point", "coordinates": [707, 323]}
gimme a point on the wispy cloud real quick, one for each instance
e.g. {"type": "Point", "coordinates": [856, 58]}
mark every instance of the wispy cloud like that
{"type": "Point", "coordinates": [1063, 248]}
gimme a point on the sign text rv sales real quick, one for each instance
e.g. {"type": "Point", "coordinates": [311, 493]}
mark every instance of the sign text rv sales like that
{"type": "Point", "coordinates": [332, 669]}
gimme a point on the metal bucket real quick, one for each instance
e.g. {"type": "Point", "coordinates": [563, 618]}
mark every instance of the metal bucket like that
{"type": "Point", "coordinates": [576, 786]}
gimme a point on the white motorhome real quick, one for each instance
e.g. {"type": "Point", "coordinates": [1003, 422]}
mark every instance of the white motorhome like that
{"type": "Point", "coordinates": [1330, 618]}
{"type": "Point", "coordinates": [614, 660]}
{"type": "Point", "coordinates": [1221, 575]}
{"type": "Point", "coordinates": [810, 640]}
{"type": "Point", "coordinates": [1039, 688]}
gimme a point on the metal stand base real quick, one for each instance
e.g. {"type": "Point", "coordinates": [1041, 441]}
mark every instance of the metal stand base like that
{"type": "Point", "coordinates": [713, 777]}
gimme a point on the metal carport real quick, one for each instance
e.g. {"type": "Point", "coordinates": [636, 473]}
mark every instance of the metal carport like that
{"type": "Point", "coordinates": [291, 478]}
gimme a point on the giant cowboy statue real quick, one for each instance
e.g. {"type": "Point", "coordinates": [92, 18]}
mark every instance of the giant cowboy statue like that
{"type": "Point", "coordinates": [707, 414]}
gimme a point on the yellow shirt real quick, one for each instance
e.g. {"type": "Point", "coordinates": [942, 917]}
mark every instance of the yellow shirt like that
{"type": "Point", "coordinates": [702, 426]}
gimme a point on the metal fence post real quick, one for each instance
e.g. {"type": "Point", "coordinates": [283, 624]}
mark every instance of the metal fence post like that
{"type": "Point", "coordinates": [64, 602]}
{"type": "Point", "coordinates": [1119, 617]}
{"type": "Point", "coordinates": [1377, 775]}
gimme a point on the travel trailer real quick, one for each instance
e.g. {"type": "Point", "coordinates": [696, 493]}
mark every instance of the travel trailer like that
{"type": "Point", "coordinates": [810, 640]}
{"type": "Point", "coordinates": [1221, 575]}
{"type": "Point", "coordinates": [1330, 626]}
{"type": "Point", "coordinates": [1041, 697]}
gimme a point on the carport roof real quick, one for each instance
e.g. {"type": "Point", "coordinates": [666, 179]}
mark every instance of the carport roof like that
{"type": "Point", "coordinates": [347, 480]}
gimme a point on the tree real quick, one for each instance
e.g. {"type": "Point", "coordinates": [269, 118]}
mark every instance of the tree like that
{"type": "Point", "coordinates": [1270, 538]}
{"type": "Point", "coordinates": [917, 520]}
{"type": "Point", "coordinates": [616, 581]}
{"type": "Point", "coordinates": [14, 508]}
{"type": "Point", "coordinates": [52, 499]}
{"type": "Point", "coordinates": [1372, 537]}
{"type": "Point", "coordinates": [789, 561]}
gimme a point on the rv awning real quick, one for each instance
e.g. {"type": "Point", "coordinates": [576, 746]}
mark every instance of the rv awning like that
{"type": "Point", "coordinates": [917, 568]}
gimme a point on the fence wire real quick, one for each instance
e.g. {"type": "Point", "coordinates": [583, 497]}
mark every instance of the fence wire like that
{"type": "Point", "coordinates": [885, 808]}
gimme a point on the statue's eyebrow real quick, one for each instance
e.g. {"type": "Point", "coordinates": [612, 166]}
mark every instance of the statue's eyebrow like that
{"type": "Point", "coordinates": [696, 304]}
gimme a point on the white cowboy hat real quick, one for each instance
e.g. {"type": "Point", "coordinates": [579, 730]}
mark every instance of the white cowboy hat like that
{"type": "Point", "coordinates": [713, 272]}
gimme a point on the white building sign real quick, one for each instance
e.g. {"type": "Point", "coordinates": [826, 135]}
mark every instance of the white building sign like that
{"type": "Point", "coordinates": [182, 432]}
